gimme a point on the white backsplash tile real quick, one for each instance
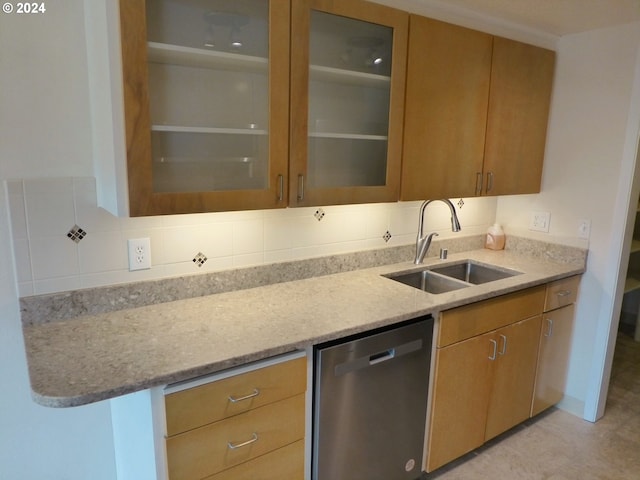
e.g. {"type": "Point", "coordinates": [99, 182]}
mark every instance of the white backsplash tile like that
{"type": "Point", "coordinates": [43, 211]}
{"type": "Point", "coordinates": [49, 206]}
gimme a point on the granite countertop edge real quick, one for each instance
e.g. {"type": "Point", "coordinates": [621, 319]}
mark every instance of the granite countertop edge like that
{"type": "Point", "coordinates": [92, 358]}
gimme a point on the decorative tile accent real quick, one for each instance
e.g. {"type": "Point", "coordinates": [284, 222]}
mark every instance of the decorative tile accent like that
{"type": "Point", "coordinates": [199, 259]}
{"type": "Point", "coordinates": [319, 214]}
{"type": "Point", "coordinates": [76, 233]}
{"type": "Point", "coordinates": [460, 203]}
{"type": "Point", "coordinates": [387, 236]}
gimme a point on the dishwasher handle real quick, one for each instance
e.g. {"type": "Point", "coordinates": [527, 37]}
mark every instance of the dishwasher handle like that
{"type": "Point", "coordinates": [377, 358]}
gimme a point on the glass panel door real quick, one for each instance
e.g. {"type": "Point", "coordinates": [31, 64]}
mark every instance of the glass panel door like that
{"type": "Point", "coordinates": [208, 94]}
{"type": "Point", "coordinates": [349, 90]}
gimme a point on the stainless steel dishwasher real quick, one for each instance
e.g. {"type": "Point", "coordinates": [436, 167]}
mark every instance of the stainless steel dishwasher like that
{"type": "Point", "coordinates": [370, 403]}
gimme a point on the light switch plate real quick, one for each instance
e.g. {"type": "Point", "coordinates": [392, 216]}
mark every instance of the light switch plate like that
{"type": "Point", "coordinates": [540, 221]}
{"type": "Point", "coordinates": [584, 229]}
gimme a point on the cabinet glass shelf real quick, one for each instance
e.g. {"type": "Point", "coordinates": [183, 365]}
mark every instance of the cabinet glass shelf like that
{"type": "Point", "coordinates": [201, 58]}
{"type": "Point", "coordinates": [220, 130]}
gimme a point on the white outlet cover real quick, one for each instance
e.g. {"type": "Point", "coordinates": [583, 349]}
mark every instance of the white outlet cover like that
{"type": "Point", "coordinates": [540, 221]}
{"type": "Point", "coordinates": [584, 229]}
{"type": "Point", "coordinates": [139, 253]}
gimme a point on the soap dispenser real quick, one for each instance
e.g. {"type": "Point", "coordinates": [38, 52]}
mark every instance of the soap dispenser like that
{"type": "Point", "coordinates": [495, 238]}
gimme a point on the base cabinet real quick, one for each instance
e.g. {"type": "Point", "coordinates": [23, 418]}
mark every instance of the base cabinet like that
{"type": "Point", "coordinates": [555, 344]}
{"type": "Point", "coordinates": [240, 426]}
{"type": "Point", "coordinates": [484, 372]}
{"type": "Point", "coordinates": [498, 362]}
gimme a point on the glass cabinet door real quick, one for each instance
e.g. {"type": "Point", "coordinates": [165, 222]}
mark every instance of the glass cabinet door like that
{"type": "Point", "coordinates": [216, 137]}
{"type": "Point", "coordinates": [347, 102]}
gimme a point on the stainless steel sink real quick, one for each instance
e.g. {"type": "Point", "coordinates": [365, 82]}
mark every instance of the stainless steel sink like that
{"type": "Point", "coordinates": [452, 276]}
{"type": "Point", "coordinates": [474, 273]}
{"type": "Point", "coordinates": [428, 281]}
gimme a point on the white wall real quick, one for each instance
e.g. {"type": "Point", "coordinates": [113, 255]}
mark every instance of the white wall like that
{"type": "Point", "coordinates": [587, 175]}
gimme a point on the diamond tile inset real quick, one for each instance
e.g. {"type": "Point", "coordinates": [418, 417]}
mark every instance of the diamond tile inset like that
{"type": "Point", "coordinates": [199, 259]}
{"type": "Point", "coordinates": [460, 203]}
{"type": "Point", "coordinates": [76, 234]}
{"type": "Point", "coordinates": [387, 236]}
{"type": "Point", "coordinates": [319, 214]}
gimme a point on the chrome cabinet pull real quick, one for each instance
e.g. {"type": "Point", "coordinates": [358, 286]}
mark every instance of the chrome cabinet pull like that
{"type": "Point", "coordinates": [504, 345]}
{"type": "Point", "coordinates": [563, 293]}
{"type": "Point", "coordinates": [300, 187]}
{"type": "Point", "coordinates": [495, 350]}
{"type": "Point", "coordinates": [549, 331]}
{"type": "Point", "coordinates": [255, 393]}
{"type": "Point", "coordinates": [478, 183]}
{"type": "Point", "coordinates": [489, 181]}
{"type": "Point", "coordinates": [280, 188]}
{"type": "Point", "coordinates": [233, 446]}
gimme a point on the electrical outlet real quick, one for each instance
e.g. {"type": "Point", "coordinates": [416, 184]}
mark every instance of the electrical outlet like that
{"type": "Point", "coordinates": [584, 229]}
{"type": "Point", "coordinates": [540, 221]}
{"type": "Point", "coordinates": [139, 253]}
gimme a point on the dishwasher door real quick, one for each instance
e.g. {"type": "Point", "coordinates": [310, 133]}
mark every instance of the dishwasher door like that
{"type": "Point", "coordinates": [370, 404]}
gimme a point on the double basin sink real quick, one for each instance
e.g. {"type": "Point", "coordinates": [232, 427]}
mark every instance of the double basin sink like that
{"type": "Point", "coordinates": [452, 276]}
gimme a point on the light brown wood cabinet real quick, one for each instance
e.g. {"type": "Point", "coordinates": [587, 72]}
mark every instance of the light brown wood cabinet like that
{"type": "Point", "coordinates": [348, 66]}
{"type": "Point", "coordinates": [555, 344]}
{"type": "Point", "coordinates": [476, 115]}
{"type": "Point", "coordinates": [239, 427]}
{"type": "Point", "coordinates": [261, 104]}
{"type": "Point", "coordinates": [485, 367]}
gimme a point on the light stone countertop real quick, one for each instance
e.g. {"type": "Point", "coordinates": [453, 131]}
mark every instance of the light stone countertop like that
{"type": "Point", "coordinates": [91, 358]}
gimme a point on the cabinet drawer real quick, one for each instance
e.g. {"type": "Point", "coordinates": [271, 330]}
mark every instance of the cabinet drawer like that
{"type": "Point", "coordinates": [561, 292]}
{"type": "Point", "coordinates": [465, 322]}
{"type": "Point", "coordinates": [284, 463]}
{"type": "Point", "coordinates": [206, 450]}
{"type": "Point", "coordinates": [198, 406]}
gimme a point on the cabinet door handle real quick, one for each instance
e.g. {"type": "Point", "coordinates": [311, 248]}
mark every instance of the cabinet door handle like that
{"type": "Point", "coordinates": [478, 183]}
{"type": "Point", "coordinates": [300, 188]}
{"type": "Point", "coordinates": [255, 393]}
{"type": "Point", "coordinates": [233, 446]}
{"type": "Point", "coordinates": [495, 350]}
{"type": "Point", "coordinates": [280, 188]}
{"type": "Point", "coordinates": [549, 331]}
{"type": "Point", "coordinates": [503, 350]}
{"type": "Point", "coordinates": [563, 293]}
{"type": "Point", "coordinates": [489, 182]}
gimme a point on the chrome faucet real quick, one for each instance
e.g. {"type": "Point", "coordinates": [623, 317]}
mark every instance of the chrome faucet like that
{"type": "Point", "coordinates": [422, 241]}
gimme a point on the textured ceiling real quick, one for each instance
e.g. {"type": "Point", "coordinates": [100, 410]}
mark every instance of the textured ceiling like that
{"type": "Point", "coordinates": [556, 17]}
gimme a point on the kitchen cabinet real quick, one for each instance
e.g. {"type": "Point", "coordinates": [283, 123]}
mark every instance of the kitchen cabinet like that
{"type": "Point", "coordinates": [348, 68]}
{"type": "Point", "coordinates": [205, 104]}
{"type": "Point", "coordinates": [485, 367]}
{"type": "Point", "coordinates": [221, 112]}
{"type": "Point", "coordinates": [238, 426]}
{"type": "Point", "coordinates": [555, 343]}
{"type": "Point", "coordinates": [476, 114]}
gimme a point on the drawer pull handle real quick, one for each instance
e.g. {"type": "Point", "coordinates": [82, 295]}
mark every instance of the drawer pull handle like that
{"type": "Point", "coordinates": [563, 293]}
{"type": "Point", "coordinates": [233, 446]}
{"type": "Point", "coordinates": [255, 393]}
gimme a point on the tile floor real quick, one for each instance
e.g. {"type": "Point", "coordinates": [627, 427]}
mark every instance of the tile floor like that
{"type": "Point", "coordinates": [559, 446]}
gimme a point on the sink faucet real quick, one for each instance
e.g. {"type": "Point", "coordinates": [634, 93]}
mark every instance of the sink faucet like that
{"type": "Point", "coordinates": [423, 241]}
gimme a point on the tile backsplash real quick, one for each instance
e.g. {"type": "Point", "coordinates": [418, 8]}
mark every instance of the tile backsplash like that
{"type": "Point", "coordinates": [64, 241]}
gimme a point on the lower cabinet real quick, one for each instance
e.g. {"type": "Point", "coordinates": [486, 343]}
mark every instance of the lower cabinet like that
{"type": "Point", "coordinates": [497, 363]}
{"type": "Point", "coordinates": [555, 343]}
{"type": "Point", "coordinates": [250, 425]}
{"type": "Point", "coordinates": [483, 384]}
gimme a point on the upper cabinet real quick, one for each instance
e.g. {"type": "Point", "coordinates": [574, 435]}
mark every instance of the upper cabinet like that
{"type": "Point", "coordinates": [476, 113]}
{"type": "Point", "coordinates": [236, 105]}
{"type": "Point", "coordinates": [348, 63]}
{"type": "Point", "coordinates": [205, 104]}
